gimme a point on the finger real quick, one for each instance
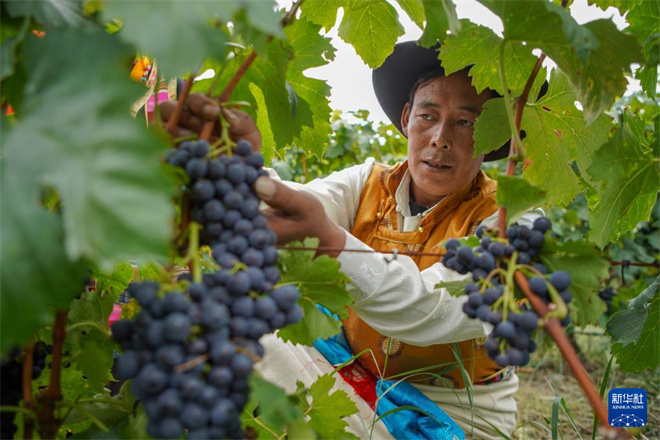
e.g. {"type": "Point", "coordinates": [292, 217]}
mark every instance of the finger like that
{"type": "Point", "coordinates": [288, 201]}
{"type": "Point", "coordinates": [243, 127]}
{"type": "Point", "coordinates": [203, 106]}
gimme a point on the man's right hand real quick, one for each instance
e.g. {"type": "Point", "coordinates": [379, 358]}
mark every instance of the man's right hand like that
{"type": "Point", "coordinates": [295, 215]}
{"type": "Point", "coordinates": [200, 109]}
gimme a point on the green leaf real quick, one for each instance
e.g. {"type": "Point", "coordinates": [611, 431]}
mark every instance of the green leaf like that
{"type": "Point", "coordinates": [440, 18]}
{"type": "Point", "coordinates": [268, 72]}
{"type": "Point", "coordinates": [50, 13]}
{"type": "Point", "coordinates": [557, 134]}
{"type": "Point", "coordinates": [643, 19]}
{"type": "Point", "coordinates": [36, 275]}
{"type": "Point", "coordinates": [372, 28]}
{"type": "Point", "coordinates": [479, 47]}
{"type": "Point", "coordinates": [517, 196]}
{"type": "Point", "coordinates": [327, 410]}
{"type": "Point", "coordinates": [622, 5]}
{"type": "Point", "coordinates": [181, 33]}
{"type": "Point", "coordinates": [320, 282]}
{"type": "Point", "coordinates": [645, 353]}
{"type": "Point", "coordinates": [276, 409]}
{"type": "Point", "coordinates": [268, 146]}
{"type": "Point", "coordinates": [648, 79]}
{"type": "Point", "coordinates": [626, 326]}
{"type": "Point", "coordinates": [90, 344]}
{"type": "Point", "coordinates": [594, 56]}
{"type": "Point", "coordinates": [414, 10]}
{"type": "Point", "coordinates": [586, 267]}
{"type": "Point", "coordinates": [311, 50]}
{"type": "Point", "coordinates": [321, 12]}
{"type": "Point", "coordinates": [491, 129]}
{"type": "Point", "coordinates": [455, 288]}
{"type": "Point", "coordinates": [13, 32]}
{"type": "Point", "coordinates": [114, 283]}
{"type": "Point", "coordinates": [628, 174]}
{"type": "Point", "coordinates": [102, 162]}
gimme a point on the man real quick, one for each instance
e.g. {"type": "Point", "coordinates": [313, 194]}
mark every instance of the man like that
{"type": "Point", "coordinates": [438, 193]}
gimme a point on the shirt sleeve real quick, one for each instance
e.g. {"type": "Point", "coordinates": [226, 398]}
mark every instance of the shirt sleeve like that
{"type": "Point", "coordinates": [339, 192]}
{"type": "Point", "coordinates": [397, 299]}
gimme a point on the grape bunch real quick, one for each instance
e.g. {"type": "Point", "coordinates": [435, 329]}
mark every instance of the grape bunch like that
{"type": "Point", "coordinates": [11, 372]}
{"type": "Point", "coordinates": [607, 294]}
{"type": "Point", "coordinates": [491, 299]}
{"type": "Point", "coordinates": [190, 352]}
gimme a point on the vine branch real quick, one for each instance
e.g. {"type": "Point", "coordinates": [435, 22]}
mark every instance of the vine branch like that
{"type": "Point", "coordinates": [48, 422]}
{"type": "Point", "coordinates": [28, 361]}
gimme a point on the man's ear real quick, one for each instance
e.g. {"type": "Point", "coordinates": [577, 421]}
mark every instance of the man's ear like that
{"type": "Point", "coordinates": [405, 116]}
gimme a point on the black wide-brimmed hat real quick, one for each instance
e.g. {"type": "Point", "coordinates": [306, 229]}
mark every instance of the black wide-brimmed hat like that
{"type": "Point", "coordinates": [395, 78]}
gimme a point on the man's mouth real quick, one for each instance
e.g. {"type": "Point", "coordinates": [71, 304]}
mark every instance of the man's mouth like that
{"type": "Point", "coordinates": [436, 165]}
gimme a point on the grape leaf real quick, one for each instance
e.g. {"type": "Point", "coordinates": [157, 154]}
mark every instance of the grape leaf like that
{"type": "Point", "coordinates": [276, 409]}
{"type": "Point", "coordinates": [321, 12]}
{"type": "Point", "coordinates": [268, 72]}
{"type": "Point", "coordinates": [648, 79]}
{"type": "Point", "coordinates": [622, 5]}
{"type": "Point", "coordinates": [327, 410]}
{"type": "Point", "coordinates": [33, 261]}
{"type": "Point", "coordinates": [102, 162]}
{"type": "Point", "coordinates": [586, 267]}
{"type": "Point", "coordinates": [179, 34]}
{"type": "Point", "coordinates": [440, 18]}
{"type": "Point", "coordinates": [114, 283]}
{"type": "Point", "coordinates": [311, 50]}
{"type": "Point", "coordinates": [626, 326]}
{"type": "Point", "coordinates": [629, 174]}
{"type": "Point", "coordinates": [645, 353]}
{"type": "Point", "coordinates": [557, 134]}
{"type": "Point", "coordinates": [12, 33]}
{"type": "Point", "coordinates": [594, 56]}
{"type": "Point", "coordinates": [320, 282]}
{"type": "Point", "coordinates": [455, 288]}
{"type": "Point", "coordinates": [91, 345]}
{"type": "Point", "coordinates": [414, 9]}
{"type": "Point", "coordinates": [517, 196]}
{"type": "Point", "coordinates": [268, 146]}
{"type": "Point", "coordinates": [372, 28]}
{"type": "Point", "coordinates": [49, 13]}
{"type": "Point", "coordinates": [491, 129]}
{"type": "Point", "coordinates": [479, 47]}
{"type": "Point", "coordinates": [643, 19]}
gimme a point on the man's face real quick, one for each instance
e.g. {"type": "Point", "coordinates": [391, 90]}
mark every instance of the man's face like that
{"type": "Point", "coordinates": [439, 126]}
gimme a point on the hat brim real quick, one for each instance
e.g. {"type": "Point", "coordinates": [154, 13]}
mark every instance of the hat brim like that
{"type": "Point", "coordinates": [395, 78]}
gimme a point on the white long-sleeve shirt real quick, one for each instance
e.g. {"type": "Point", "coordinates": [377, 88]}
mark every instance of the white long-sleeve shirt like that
{"type": "Point", "coordinates": [392, 295]}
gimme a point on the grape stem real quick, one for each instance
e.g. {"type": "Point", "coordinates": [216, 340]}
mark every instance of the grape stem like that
{"type": "Point", "coordinates": [192, 363]}
{"type": "Point", "coordinates": [561, 311]}
{"type": "Point", "coordinates": [178, 110]}
{"type": "Point", "coordinates": [28, 360]}
{"type": "Point", "coordinates": [194, 264]}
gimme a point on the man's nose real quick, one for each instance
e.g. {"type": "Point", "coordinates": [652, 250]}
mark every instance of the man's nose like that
{"type": "Point", "coordinates": [442, 137]}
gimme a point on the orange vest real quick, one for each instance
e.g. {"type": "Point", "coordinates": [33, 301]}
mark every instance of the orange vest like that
{"type": "Point", "coordinates": [376, 224]}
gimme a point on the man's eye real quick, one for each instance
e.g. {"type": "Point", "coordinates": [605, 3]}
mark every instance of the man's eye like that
{"type": "Point", "coordinates": [425, 116]}
{"type": "Point", "coordinates": [465, 123]}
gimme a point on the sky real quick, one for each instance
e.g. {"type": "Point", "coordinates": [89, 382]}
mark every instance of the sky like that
{"type": "Point", "coordinates": [350, 78]}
